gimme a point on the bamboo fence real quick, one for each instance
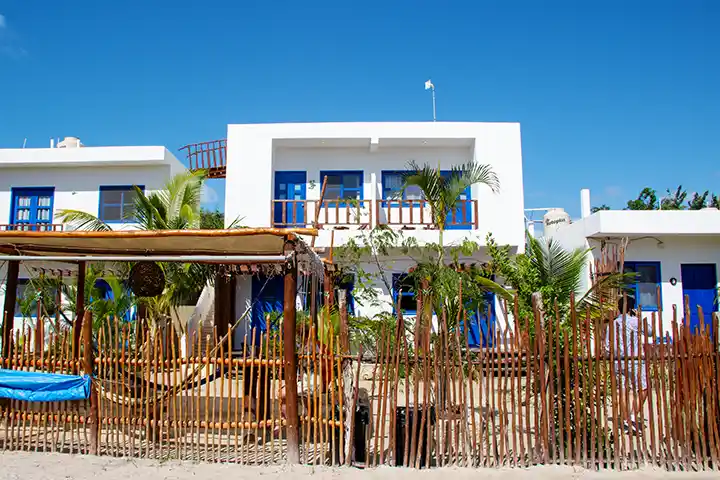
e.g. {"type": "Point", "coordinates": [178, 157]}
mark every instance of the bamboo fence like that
{"type": "Point", "coordinates": [563, 394]}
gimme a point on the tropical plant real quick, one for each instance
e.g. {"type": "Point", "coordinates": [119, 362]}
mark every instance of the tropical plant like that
{"type": "Point", "coordinates": [442, 192]}
{"type": "Point", "coordinates": [698, 200]}
{"type": "Point", "coordinates": [176, 207]}
{"type": "Point", "coordinates": [674, 200]}
{"type": "Point", "coordinates": [600, 208]}
{"type": "Point", "coordinates": [647, 200]}
{"type": "Point", "coordinates": [556, 274]}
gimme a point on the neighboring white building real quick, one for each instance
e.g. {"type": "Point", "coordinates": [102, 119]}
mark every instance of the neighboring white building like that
{"type": "Point", "coordinates": [274, 175]}
{"type": "Point", "coordinates": [678, 251]}
{"type": "Point", "coordinates": [37, 182]}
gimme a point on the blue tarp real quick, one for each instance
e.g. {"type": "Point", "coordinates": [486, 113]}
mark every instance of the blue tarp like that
{"type": "Point", "coordinates": [43, 387]}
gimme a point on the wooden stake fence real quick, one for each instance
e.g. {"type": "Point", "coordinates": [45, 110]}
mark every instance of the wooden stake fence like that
{"type": "Point", "coordinates": [569, 394]}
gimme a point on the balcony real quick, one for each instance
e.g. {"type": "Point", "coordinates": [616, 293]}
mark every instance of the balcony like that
{"type": "Point", "coordinates": [32, 227]}
{"type": "Point", "coordinates": [209, 156]}
{"type": "Point", "coordinates": [366, 214]}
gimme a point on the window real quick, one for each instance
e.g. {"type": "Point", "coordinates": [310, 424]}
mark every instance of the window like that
{"type": "Point", "coordinates": [404, 288]}
{"type": "Point", "coordinates": [392, 183]}
{"type": "Point", "coordinates": [343, 185]}
{"type": "Point", "coordinates": [117, 203]}
{"type": "Point", "coordinates": [32, 208]}
{"type": "Point", "coordinates": [645, 288]}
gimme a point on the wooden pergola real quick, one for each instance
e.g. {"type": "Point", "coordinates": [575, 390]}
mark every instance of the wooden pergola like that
{"type": "Point", "coordinates": [246, 246]}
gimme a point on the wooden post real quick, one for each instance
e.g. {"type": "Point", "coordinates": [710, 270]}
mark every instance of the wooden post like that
{"type": "Point", "coordinates": [9, 307]}
{"type": "Point", "coordinates": [88, 363]}
{"type": "Point", "coordinates": [329, 288]}
{"type": "Point", "coordinates": [313, 301]}
{"type": "Point", "coordinates": [289, 342]}
{"type": "Point", "coordinates": [79, 310]}
{"type": "Point", "coordinates": [39, 327]}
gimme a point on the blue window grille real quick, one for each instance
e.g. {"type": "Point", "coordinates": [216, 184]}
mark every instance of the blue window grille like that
{"type": "Point", "coordinates": [404, 292]}
{"type": "Point", "coordinates": [32, 208]}
{"type": "Point", "coordinates": [645, 287]}
{"type": "Point", "coordinates": [117, 203]}
{"type": "Point", "coordinates": [342, 185]}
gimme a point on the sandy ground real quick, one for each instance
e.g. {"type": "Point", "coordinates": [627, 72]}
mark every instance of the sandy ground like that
{"type": "Point", "coordinates": [34, 466]}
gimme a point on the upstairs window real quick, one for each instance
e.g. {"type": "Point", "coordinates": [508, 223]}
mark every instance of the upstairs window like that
{"type": "Point", "coordinates": [117, 203]}
{"type": "Point", "coordinates": [343, 185]}
{"type": "Point", "coordinates": [645, 287]}
{"type": "Point", "coordinates": [32, 208]}
{"type": "Point", "coordinates": [392, 183]}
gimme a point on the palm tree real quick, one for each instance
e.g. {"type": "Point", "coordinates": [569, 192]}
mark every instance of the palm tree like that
{"type": "Point", "coordinates": [442, 192]}
{"type": "Point", "coordinates": [556, 274]}
{"type": "Point", "coordinates": [176, 207]}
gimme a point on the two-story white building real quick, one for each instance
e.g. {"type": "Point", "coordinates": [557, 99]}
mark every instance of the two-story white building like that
{"type": "Point", "coordinates": [35, 183]}
{"type": "Point", "coordinates": [275, 173]}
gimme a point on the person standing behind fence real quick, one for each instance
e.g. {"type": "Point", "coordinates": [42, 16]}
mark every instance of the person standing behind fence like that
{"type": "Point", "coordinates": [629, 344]}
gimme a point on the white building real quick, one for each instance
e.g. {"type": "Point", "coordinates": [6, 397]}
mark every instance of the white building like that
{"type": "Point", "coordinates": [35, 183]}
{"type": "Point", "coordinates": [677, 251]}
{"type": "Point", "coordinates": [274, 176]}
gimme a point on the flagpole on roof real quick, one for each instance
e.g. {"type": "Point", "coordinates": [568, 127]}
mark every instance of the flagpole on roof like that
{"type": "Point", "coordinates": [429, 86]}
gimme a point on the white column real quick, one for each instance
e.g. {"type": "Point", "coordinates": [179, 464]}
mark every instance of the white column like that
{"type": "Point", "coordinates": [585, 202]}
{"type": "Point", "coordinates": [373, 198]}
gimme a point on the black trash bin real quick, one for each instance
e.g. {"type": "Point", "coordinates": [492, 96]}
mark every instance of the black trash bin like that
{"type": "Point", "coordinates": [362, 420]}
{"type": "Point", "coordinates": [403, 416]}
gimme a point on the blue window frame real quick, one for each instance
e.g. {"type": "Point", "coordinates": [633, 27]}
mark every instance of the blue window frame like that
{"type": "Point", "coordinates": [392, 183]}
{"type": "Point", "coordinates": [404, 290]}
{"type": "Point", "coordinates": [117, 203]}
{"type": "Point", "coordinates": [343, 185]}
{"type": "Point", "coordinates": [645, 288]}
{"type": "Point", "coordinates": [32, 208]}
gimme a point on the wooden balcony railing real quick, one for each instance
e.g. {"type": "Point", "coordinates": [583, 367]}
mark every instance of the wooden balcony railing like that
{"type": "Point", "coordinates": [418, 214]}
{"type": "Point", "coordinates": [32, 227]}
{"type": "Point", "coordinates": [210, 156]}
{"type": "Point", "coordinates": [337, 214]}
{"type": "Point", "coordinates": [361, 214]}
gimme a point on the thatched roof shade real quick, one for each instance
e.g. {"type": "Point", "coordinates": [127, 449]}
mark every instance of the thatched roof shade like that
{"type": "Point", "coordinates": [245, 241]}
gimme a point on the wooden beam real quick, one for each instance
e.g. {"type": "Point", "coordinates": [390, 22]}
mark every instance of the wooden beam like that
{"type": "Point", "coordinates": [289, 351]}
{"type": "Point", "coordinates": [9, 308]}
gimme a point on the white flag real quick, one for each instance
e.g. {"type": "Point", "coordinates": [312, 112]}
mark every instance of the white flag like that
{"type": "Point", "coordinates": [429, 85]}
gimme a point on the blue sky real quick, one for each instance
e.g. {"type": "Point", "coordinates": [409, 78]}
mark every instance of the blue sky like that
{"type": "Point", "coordinates": [612, 95]}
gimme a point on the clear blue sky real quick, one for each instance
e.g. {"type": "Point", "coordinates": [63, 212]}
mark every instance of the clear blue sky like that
{"type": "Point", "coordinates": [612, 95]}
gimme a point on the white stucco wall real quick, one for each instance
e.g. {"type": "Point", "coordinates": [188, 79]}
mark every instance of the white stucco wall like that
{"type": "Point", "coordinates": [255, 152]}
{"type": "Point", "coordinates": [672, 252]}
{"type": "Point", "coordinates": [76, 175]}
{"type": "Point", "coordinates": [671, 238]}
{"type": "Point", "coordinates": [77, 188]}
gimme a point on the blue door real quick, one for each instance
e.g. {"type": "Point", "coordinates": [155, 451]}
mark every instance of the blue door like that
{"type": "Point", "coordinates": [289, 205]}
{"type": "Point", "coordinates": [32, 208]}
{"type": "Point", "coordinates": [699, 283]}
{"type": "Point", "coordinates": [481, 333]}
{"type": "Point", "coordinates": [460, 217]}
{"type": "Point", "coordinates": [268, 294]}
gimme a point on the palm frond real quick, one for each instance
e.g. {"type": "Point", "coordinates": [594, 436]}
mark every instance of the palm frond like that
{"type": "Point", "coordinates": [557, 268]}
{"type": "Point", "coordinates": [149, 211]}
{"type": "Point", "coordinates": [600, 299]}
{"type": "Point", "coordinates": [80, 220]}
